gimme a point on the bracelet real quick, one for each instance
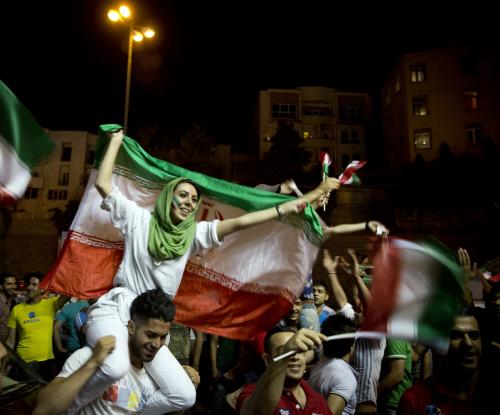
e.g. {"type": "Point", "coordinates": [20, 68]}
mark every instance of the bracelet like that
{"type": "Point", "coordinates": [280, 213]}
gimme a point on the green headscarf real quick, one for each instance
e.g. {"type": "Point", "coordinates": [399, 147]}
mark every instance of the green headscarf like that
{"type": "Point", "coordinates": [166, 240]}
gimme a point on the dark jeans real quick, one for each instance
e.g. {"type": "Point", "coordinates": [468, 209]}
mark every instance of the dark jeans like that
{"type": "Point", "coordinates": [46, 369]}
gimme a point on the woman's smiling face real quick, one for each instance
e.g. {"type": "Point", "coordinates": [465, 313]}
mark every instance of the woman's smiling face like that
{"type": "Point", "coordinates": [184, 201]}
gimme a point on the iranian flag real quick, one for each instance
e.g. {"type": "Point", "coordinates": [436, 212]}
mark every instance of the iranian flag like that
{"type": "Point", "coordinates": [349, 175]}
{"type": "Point", "coordinates": [417, 291]}
{"type": "Point", "coordinates": [22, 144]}
{"type": "Point", "coordinates": [236, 290]}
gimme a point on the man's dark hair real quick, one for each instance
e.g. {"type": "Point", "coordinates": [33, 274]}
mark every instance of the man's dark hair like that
{"type": "Point", "coordinates": [323, 284]}
{"type": "Point", "coordinates": [4, 276]}
{"type": "Point", "coordinates": [30, 275]}
{"type": "Point", "coordinates": [153, 304]}
{"type": "Point", "coordinates": [337, 324]}
{"type": "Point", "coordinates": [276, 329]}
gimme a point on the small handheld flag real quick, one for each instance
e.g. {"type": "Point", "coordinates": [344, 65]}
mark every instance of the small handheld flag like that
{"type": "Point", "coordinates": [349, 176]}
{"type": "Point", "coordinates": [326, 161]}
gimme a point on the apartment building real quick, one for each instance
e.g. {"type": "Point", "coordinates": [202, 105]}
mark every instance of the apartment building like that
{"type": "Point", "coordinates": [61, 177]}
{"type": "Point", "coordinates": [327, 120]}
{"type": "Point", "coordinates": [447, 95]}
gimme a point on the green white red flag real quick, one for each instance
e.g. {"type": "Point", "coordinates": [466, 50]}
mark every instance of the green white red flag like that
{"type": "Point", "coordinates": [349, 175]}
{"type": "Point", "coordinates": [417, 291]}
{"type": "Point", "coordinates": [22, 144]}
{"type": "Point", "coordinates": [236, 290]}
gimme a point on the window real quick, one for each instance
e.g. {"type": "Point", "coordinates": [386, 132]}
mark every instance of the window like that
{"type": "Point", "coordinates": [468, 65]}
{"type": "Point", "coordinates": [397, 84]}
{"type": "Point", "coordinates": [284, 111]}
{"type": "Point", "coordinates": [325, 111]}
{"type": "Point", "coordinates": [344, 137]}
{"type": "Point", "coordinates": [417, 73]}
{"type": "Point", "coordinates": [31, 193]}
{"type": "Point", "coordinates": [355, 137]}
{"type": "Point", "coordinates": [422, 138]}
{"type": "Point", "coordinates": [350, 113]}
{"type": "Point", "coordinates": [66, 152]}
{"type": "Point", "coordinates": [90, 156]}
{"type": "Point", "coordinates": [474, 133]}
{"type": "Point", "coordinates": [58, 194]}
{"type": "Point", "coordinates": [326, 131]}
{"type": "Point", "coordinates": [420, 106]}
{"type": "Point", "coordinates": [470, 100]}
{"type": "Point", "coordinates": [63, 176]}
{"type": "Point", "coordinates": [345, 160]}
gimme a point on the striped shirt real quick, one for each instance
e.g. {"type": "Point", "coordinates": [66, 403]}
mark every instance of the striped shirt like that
{"type": "Point", "coordinates": [367, 361]}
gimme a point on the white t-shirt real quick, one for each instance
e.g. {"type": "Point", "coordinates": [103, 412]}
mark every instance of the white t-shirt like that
{"type": "Point", "coordinates": [138, 271]}
{"type": "Point", "coordinates": [332, 375]}
{"type": "Point", "coordinates": [128, 395]}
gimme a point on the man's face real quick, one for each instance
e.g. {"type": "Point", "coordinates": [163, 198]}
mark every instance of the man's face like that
{"type": "Point", "coordinates": [9, 286]}
{"type": "Point", "coordinates": [293, 315]}
{"type": "Point", "coordinates": [320, 295]}
{"type": "Point", "coordinates": [465, 344]}
{"type": "Point", "coordinates": [147, 336]}
{"type": "Point", "coordinates": [296, 364]}
{"type": "Point", "coordinates": [33, 287]}
{"type": "Point", "coordinates": [184, 201]}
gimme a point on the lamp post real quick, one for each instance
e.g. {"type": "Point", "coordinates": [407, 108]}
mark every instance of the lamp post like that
{"type": "Point", "coordinates": [137, 34]}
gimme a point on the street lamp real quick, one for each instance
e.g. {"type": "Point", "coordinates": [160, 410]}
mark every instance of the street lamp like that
{"type": "Point", "coordinates": [137, 34]}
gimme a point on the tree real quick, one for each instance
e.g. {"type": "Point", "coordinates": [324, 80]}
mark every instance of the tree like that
{"type": "Point", "coordinates": [285, 159]}
{"type": "Point", "coordinates": [197, 152]}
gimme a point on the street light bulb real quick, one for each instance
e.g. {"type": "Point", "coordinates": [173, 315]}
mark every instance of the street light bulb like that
{"type": "Point", "coordinates": [149, 33]}
{"type": "Point", "coordinates": [113, 15]}
{"type": "Point", "coordinates": [125, 11]}
{"type": "Point", "coordinates": [137, 36]}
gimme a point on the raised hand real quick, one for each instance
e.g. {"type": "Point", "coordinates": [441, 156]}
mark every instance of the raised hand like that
{"type": "Point", "coordinates": [377, 228]}
{"type": "Point", "coordinates": [329, 263]}
{"type": "Point", "coordinates": [104, 347]}
{"type": "Point", "coordinates": [303, 341]}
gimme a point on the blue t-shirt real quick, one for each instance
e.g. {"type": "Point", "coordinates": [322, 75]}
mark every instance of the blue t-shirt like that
{"type": "Point", "coordinates": [67, 315]}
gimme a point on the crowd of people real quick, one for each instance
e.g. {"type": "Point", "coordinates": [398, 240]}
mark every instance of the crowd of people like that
{"type": "Point", "coordinates": [125, 353]}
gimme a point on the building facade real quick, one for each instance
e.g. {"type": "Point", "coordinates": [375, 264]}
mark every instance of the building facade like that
{"type": "Point", "coordinates": [327, 120]}
{"type": "Point", "coordinates": [59, 178]}
{"type": "Point", "coordinates": [449, 95]}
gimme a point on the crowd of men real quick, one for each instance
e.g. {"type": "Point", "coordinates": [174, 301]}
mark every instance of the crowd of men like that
{"type": "Point", "coordinates": [347, 376]}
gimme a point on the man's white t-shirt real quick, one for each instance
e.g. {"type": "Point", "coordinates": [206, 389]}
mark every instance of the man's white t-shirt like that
{"type": "Point", "coordinates": [332, 375]}
{"type": "Point", "coordinates": [128, 395]}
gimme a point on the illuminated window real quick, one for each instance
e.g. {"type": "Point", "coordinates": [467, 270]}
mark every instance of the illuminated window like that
{"type": "Point", "coordinates": [420, 106]}
{"type": "Point", "coordinates": [470, 100]}
{"type": "Point", "coordinates": [422, 138]}
{"type": "Point", "coordinates": [397, 84]}
{"type": "Point", "coordinates": [417, 73]}
{"type": "Point", "coordinates": [474, 133]}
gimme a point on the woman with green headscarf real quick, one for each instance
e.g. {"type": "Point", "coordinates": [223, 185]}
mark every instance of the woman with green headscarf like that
{"type": "Point", "coordinates": [158, 245]}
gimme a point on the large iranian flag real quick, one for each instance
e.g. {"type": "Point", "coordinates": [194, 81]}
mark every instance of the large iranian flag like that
{"type": "Point", "coordinates": [417, 291]}
{"type": "Point", "coordinates": [236, 290]}
{"type": "Point", "coordinates": [22, 144]}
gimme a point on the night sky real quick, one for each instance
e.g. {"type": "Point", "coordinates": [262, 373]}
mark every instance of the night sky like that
{"type": "Point", "coordinates": [208, 60]}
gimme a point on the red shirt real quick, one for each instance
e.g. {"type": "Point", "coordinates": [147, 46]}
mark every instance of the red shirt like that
{"type": "Point", "coordinates": [288, 405]}
{"type": "Point", "coordinates": [428, 392]}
